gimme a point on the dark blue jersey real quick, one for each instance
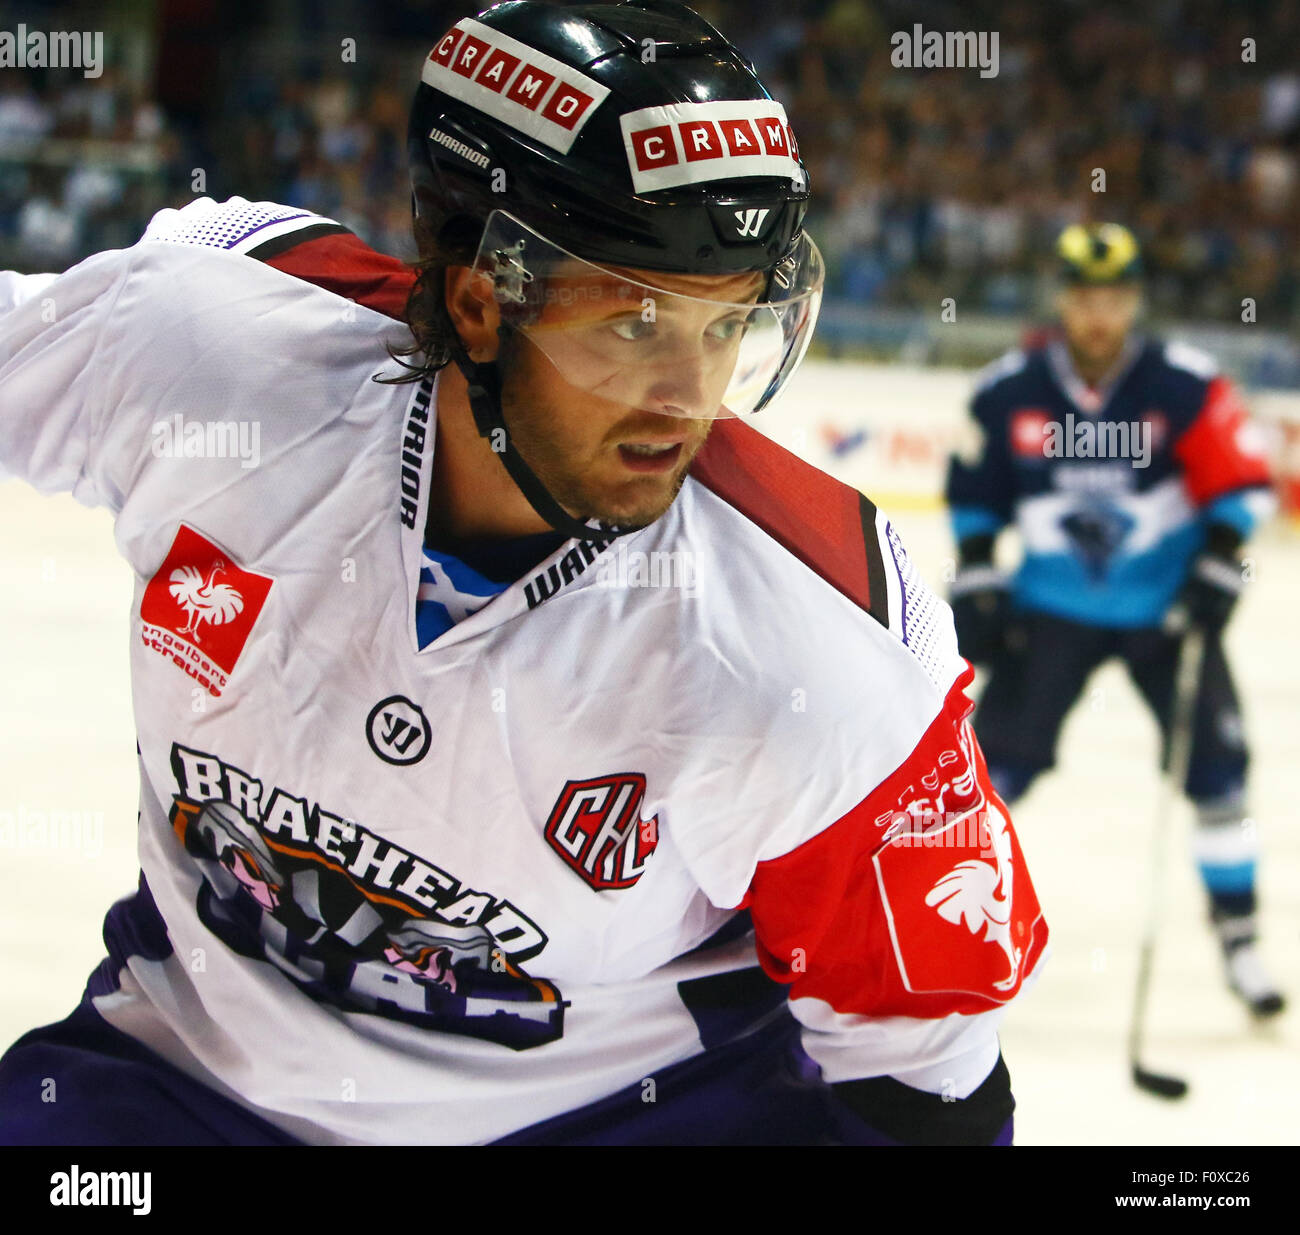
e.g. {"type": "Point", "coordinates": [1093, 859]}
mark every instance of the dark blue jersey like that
{"type": "Point", "coordinates": [1110, 487]}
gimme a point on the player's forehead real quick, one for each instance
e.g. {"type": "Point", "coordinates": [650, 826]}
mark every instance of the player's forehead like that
{"type": "Point", "coordinates": [1111, 295]}
{"type": "Point", "coordinates": [614, 283]}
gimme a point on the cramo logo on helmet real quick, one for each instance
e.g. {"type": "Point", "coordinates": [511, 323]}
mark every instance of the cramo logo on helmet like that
{"type": "Point", "coordinates": [686, 143]}
{"type": "Point", "coordinates": [514, 83]}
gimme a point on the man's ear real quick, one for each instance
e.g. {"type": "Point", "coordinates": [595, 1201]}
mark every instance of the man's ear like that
{"type": "Point", "coordinates": [473, 311]}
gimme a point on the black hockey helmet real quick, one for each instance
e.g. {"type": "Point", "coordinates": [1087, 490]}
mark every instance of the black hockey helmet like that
{"type": "Point", "coordinates": [561, 148]}
{"type": "Point", "coordinates": [631, 134]}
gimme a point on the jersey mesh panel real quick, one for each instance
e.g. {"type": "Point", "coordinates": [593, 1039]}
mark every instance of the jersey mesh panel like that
{"type": "Point", "coordinates": [225, 228]}
{"type": "Point", "coordinates": [925, 629]}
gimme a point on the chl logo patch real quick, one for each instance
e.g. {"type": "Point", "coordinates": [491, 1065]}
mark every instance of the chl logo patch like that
{"type": "Point", "coordinates": [690, 142]}
{"type": "Point", "coordinates": [398, 730]}
{"type": "Point", "coordinates": [596, 827]}
{"type": "Point", "coordinates": [199, 609]}
{"type": "Point", "coordinates": [514, 83]}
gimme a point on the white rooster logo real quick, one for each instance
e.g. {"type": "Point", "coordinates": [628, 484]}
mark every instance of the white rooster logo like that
{"type": "Point", "coordinates": [211, 602]}
{"type": "Point", "coordinates": [980, 895]}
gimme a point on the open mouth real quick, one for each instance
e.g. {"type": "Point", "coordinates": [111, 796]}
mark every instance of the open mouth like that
{"type": "Point", "coordinates": [648, 457]}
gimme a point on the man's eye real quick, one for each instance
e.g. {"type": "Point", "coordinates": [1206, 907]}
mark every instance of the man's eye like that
{"type": "Point", "coordinates": [632, 328]}
{"type": "Point", "coordinates": [729, 328]}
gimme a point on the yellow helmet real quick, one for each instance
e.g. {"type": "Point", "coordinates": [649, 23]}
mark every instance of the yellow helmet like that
{"type": "Point", "coordinates": [1098, 253]}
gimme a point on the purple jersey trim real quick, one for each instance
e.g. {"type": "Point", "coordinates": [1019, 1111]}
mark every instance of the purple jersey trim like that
{"type": "Point", "coordinates": [894, 543]}
{"type": "Point", "coordinates": [288, 218]}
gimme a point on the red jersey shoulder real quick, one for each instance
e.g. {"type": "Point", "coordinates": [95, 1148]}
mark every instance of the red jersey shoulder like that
{"type": "Point", "coordinates": [333, 258]}
{"type": "Point", "coordinates": [299, 242]}
{"type": "Point", "coordinates": [827, 525]}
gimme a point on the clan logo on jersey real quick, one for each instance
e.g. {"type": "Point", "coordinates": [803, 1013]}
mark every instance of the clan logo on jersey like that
{"type": "Point", "coordinates": [200, 607]}
{"type": "Point", "coordinates": [596, 827]}
{"type": "Point", "coordinates": [356, 920]}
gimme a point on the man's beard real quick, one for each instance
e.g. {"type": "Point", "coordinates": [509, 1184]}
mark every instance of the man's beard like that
{"type": "Point", "coordinates": [568, 479]}
{"type": "Point", "coordinates": [1096, 356]}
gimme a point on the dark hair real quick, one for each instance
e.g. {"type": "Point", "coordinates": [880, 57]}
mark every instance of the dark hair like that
{"type": "Point", "coordinates": [444, 242]}
{"type": "Point", "coordinates": [441, 243]}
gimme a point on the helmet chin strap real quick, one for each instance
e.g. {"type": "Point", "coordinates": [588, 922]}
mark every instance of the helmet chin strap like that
{"type": "Point", "coordinates": [484, 381]}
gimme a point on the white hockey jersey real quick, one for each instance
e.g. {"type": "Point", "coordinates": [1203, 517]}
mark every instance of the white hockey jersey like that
{"type": "Point", "coordinates": [393, 895]}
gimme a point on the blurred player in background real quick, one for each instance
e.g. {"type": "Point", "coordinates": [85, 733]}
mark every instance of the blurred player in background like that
{"type": "Point", "coordinates": [1134, 476]}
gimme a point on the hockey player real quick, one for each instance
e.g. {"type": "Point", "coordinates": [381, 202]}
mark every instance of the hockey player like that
{"type": "Point", "coordinates": [1134, 476]}
{"type": "Point", "coordinates": [463, 818]}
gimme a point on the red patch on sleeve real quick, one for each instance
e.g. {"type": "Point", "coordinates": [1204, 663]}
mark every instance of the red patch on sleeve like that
{"type": "Point", "coordinates": [915, 903]}
{"type": "Point", "coordinates": [200, 607]}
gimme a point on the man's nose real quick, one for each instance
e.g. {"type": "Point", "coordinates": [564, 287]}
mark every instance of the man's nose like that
{"type": "Point", "coordinates": [683, 386]}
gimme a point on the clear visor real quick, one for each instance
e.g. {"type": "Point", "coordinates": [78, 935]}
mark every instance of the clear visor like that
{"type": "Point", "coordinates": [701, 346]}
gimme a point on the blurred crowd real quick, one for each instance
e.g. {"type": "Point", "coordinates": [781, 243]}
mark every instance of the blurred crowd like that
{"type": "Point", "coordinates": [929, 183]}
{"type": "Point", "coordinates": [83, 164]}
{"type": "Point", "coordinates": [943, 183]}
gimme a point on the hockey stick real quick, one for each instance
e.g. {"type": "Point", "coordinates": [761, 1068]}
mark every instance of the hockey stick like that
{"type": "Point", "coordinates": [1183, 713]}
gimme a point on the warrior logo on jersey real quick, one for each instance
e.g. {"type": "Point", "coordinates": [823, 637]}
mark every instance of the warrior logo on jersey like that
{"type": "Point", "coordinates": [596, 827]}
{"type": "Point", "coordinates": [199, 609]}
{"type": "Point", "coordinates": [559, 574]}
{"type": "Point", "coordinates": [398, 730]}
{"type": "Point", "coordinates": [354, 920]}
